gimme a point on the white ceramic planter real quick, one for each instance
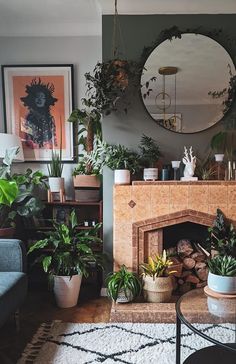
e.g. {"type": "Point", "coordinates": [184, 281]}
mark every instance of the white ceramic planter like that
{"type": "Point", "coordinates": [66, 290]}
{"type": "Point", "coordinates": [122, 177]}
{"type": "Point", "coordinates": [175, 164]}
{"type": "Point", "coordinates": [219, 157]}
{"type": "Point", "coordinates": [158, 290]}
{"type": "Point", "coordinates": [122, 297]}
{"type": "Point", "coordinates": [56, 184]}
{"type": "Point", "coordinates": [150, 174]}
{"type": "Point", "coordinates": [221, 284]}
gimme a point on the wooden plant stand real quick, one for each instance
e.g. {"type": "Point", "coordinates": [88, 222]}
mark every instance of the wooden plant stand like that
{"type": "Point", "coordinates": [61, 195]}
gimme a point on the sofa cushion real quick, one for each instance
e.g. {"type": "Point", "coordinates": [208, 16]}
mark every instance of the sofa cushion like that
{"type": "Point", "coordinates": [13, 289]}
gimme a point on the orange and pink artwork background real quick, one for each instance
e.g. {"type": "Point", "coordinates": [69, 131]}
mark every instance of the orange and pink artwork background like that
{"type": "Point", "coordinates": [57, 111]}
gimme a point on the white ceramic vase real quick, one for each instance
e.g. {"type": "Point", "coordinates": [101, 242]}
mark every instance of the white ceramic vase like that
{"type": "Point", "coordinates": [66, 290]}
{"type": "Point", "coordinates": [221, 284]}
{"type": "Point", "coordinates": [158, 290]}
{"type": "Point", "coordinates": [150, 174]}
{"type": "Point", "coordinates": [122, 177]}
{"type": "Point", "coordinates": [56, 184]}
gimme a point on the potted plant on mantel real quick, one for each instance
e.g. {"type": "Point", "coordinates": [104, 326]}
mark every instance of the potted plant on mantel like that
{"type": "Point", "coordinates": [123, 286]}
{"type": "Point", "coordinates": [156, 278]}
{"type": "Point", "coordinates": [118, 158]}
{"type": "Point", "coordinates": [66, 255]}
{"type": "Point", "coordinates": [17, 194]}
{"type": "Point", "coordinates": [150, 153]}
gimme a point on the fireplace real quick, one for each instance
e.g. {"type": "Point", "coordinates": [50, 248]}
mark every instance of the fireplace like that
{"type": "Point", "coordinates": [142, 212]}
{"type": "Point", "coordinates": [145, 216]}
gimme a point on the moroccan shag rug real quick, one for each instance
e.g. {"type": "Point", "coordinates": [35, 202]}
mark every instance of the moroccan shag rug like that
{"type": "Point", "coordinates": [124, 343]}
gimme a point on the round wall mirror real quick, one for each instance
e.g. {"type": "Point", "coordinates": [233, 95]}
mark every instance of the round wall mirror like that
{"type": "Point", "coordinates": [179, 78]}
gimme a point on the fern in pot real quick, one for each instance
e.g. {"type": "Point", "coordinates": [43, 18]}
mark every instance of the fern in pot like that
{"type": "Point", "coordinates": [150, 153]}
{"type": "Point", "coordinates": [156, 277]}
{"type": "Point", "coordinates": [123, 286]}
{"type": "Point", "coordinates": [66, 257]}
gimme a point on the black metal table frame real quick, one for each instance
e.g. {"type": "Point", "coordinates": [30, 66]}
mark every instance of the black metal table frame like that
{"type": "Point", "coordinates": [179, 320]}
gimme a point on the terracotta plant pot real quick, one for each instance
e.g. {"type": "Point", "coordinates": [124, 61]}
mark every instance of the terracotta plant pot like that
{"type": "Point", "coordinates": [157, 290]}
{"type": "Point", "coordinates": [7, 232]}
{"type": "Point", "coordinates": [84, 180]}
{"type": "Point", "coordinates": [66, 290]}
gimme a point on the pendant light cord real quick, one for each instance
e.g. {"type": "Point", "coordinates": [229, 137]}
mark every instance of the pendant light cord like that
{"type": "Point", "coordinates": [115, 36]}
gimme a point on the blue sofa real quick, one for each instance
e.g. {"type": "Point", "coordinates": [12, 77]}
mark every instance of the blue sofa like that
{"type": "Point", "coordinates": [13, 280]}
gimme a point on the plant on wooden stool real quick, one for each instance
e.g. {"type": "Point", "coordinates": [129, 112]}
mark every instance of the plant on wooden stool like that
{"type": "Point", "coordinates": [157, 281]}
{"type": "Point", "coordinates": [123, 286]}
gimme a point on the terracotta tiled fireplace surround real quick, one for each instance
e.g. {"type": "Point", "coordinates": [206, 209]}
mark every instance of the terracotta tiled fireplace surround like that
{"type": "Point", "coordinates": [142, 210]}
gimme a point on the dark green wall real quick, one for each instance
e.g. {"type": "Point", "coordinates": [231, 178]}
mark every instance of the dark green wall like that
{"type": "Point", "coordinates": [138, 32]}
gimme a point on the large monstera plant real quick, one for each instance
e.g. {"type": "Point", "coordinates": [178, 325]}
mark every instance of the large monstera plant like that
{"type": "Point", "coordinates": [17, 197]}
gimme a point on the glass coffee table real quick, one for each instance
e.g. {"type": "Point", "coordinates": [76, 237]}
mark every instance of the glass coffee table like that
{"type": "Point", "coordinates": [210, 318]}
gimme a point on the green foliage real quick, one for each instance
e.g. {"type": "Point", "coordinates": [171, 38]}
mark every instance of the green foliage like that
{"type": "Point", "coordinates": [218, 142]}
{"type": "Point", "coordinates": [123, 280]}
{"type": "Point", "coordinates": [68, 251]}
{"type": "Point", "coordinates": [82, 168]}
{"type": "Point", "coordinates": [8, 192]}
{"type": "Point", "coordinates": [157, 266]}
{"type": "Point", "coordinates": [17, 192]}
{"type": "Point", "coordinates": [108, 83]}
{"type": "Point", "coordinates": [204, 168]}
{"type": "Point", "coordinates": [150, 150]}
{"type": "Point", "coordinates": [55, 167]}
{"type": "Point", "coordinates": [222, 266]}
{"type": "Point", "coordinates": [222, 236]}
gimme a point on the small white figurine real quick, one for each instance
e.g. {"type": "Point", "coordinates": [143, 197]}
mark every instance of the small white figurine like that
{"type": "Point", "coordinates": [190, 164]}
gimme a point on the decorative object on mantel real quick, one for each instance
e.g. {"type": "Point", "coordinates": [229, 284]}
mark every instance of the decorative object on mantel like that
{"type": "Point", "coordinates": [190, 164]}
{"type": "Point", "coordinates": [156, 277]}
{"type": "Point", "coordinates": [150, 153]}
{"type": "Point", "coordinates": [175, 166]}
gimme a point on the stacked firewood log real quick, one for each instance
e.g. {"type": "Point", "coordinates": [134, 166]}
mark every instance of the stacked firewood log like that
{"type": "Point", "coordinates": [189, 264]}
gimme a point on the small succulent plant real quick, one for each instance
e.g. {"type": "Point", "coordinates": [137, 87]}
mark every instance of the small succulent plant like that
{"type": "Point", "coordinates": [222, 266]}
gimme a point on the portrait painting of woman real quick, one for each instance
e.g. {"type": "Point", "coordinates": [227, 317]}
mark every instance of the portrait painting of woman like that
{"type": "Point", "coordinates": [38, 102]}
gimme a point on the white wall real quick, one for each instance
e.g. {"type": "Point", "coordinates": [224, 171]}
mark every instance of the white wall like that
{"type": "Point", "coordinates": [82, 52]}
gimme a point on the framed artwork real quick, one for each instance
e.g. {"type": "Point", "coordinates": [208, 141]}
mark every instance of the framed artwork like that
{"type": "Point", "coordinates": [171, 121]}
{"type": "Point", "coordinates": [38, 100]}
{"type": "Point", "coordinates": [61, 214]}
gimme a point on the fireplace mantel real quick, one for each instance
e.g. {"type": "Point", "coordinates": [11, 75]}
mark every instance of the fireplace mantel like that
{"type": "Point", "coordinates": [139, 203]}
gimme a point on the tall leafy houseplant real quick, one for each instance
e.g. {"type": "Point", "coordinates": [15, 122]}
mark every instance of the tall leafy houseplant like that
{"type": "Point", "coordinates": [123, 286]}
{"type": "Point", "coordinates": [17, 193]}
{"type": "Point", "coordinates": [88, 122]}
{"type": "Point", "coordinates": [149, 153]}
{"type": "Point", "coordinates": [66, 256]}
{"type": "Point", "coordinates": [156, 277]}
{"type": "Point", "coordinates": [55, 168]}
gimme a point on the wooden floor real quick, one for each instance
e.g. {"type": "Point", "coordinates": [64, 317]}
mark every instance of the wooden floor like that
{"type": "Point", "coordinates": [40, 307]}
